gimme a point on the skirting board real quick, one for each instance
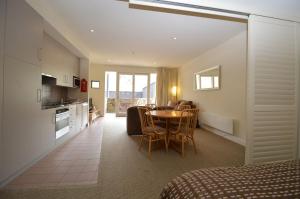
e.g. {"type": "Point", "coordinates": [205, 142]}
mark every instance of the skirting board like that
{"type": "Point", "coordinates": [225, 135]}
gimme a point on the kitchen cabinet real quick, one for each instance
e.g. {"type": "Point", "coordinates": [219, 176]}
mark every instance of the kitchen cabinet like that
{"type": "Point", "coordinates": [47, 123]}
{"type": "Point", "coordinates": [25, 130]}
{"type": "Point", "coordinates": [64, 79]}
{"type": "Point", "coordinates": [22, 125]}
{"type": "Point", "coordinates": [72, 109]}
{"type": "Point", "coordinates": [81, 116]}
{"type": "Point", "coordinates": [59, 62]}
{"type": "Point", "coordinates": [85, 112]}
{"type": "Point", "coordinates": [24, 32]}
{"type": "Point", "coordinates": [78, 117]}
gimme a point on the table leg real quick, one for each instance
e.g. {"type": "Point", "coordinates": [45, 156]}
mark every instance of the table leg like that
{"type": "Point", "coordinates": [167, 128]}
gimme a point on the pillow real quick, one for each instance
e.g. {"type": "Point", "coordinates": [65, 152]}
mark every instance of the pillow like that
{"type": "Point", "coordinates": [183, 102]}
{"type": "Point", "coordinates": [171, 103]}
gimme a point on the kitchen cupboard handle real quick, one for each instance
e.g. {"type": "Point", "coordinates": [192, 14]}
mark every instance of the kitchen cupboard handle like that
{"type": "Point", "coordinates": [39, 95]}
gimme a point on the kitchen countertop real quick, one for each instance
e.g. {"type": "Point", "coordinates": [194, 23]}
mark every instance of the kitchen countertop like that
{"type": "Point", "coordinates": [54, 106]}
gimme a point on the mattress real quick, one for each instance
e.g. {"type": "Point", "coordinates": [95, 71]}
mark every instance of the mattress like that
{"type": "Point", "coordinates": [275, 180]}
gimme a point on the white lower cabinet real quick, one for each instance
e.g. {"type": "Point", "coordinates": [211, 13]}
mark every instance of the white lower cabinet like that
{"type": "Point", "coordinates": [81, 116]}
{"type": "Point", "coordinates": [78, 117]}
{"type": "Point", "coordinates": [72, 109]}
{"type": "Point", "coordinates": [85, 112]}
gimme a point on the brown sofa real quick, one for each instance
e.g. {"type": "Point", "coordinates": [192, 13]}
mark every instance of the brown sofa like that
{"type": "Point", "coordinates": [175, 105]}
{"type": "Point", "coordinates": [133, 121]}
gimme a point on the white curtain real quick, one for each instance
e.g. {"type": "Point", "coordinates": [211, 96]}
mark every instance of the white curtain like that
{"type": "Point", "coordinates": [166, 80]}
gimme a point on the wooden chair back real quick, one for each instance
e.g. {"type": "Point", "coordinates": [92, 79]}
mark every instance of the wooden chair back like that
{"type": "Point", "coordinates": [183, 123]}
{"type": "Point", "coordinates": [192, 123]}
{"type": "Point", "coordinates": [146, 119]}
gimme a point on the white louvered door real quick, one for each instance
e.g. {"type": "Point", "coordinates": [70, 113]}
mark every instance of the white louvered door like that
{"type": "Point", "coordinates": [272, 104]}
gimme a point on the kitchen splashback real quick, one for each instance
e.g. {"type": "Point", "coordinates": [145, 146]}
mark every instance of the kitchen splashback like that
{"type": "Point", "coordinates": [53, 94]}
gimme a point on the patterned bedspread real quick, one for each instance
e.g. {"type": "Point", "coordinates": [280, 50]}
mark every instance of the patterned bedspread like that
{"type": "Point", "coordinates": [276, 180]}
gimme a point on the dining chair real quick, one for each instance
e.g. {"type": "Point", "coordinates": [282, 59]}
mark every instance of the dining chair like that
{"type": "Point", "coordinates": [185, 129]}
{"type": "Point", "coordinates": [157, 121]}
{"type": "Point", "coordinates": [150, 132]}
{"type": "Point", "coordinates": [175, 122]}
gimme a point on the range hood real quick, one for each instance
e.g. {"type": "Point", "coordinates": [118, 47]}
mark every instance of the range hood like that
{"type": "Point", "coordinates": [48, 79]}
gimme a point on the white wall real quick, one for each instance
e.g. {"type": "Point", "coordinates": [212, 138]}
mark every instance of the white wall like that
{"type": "Point", "coordinates": [2, 17]}
{"type": "Point", "coordinates": [97, 72]}
{"type": "Point", "coordinates": [230, 100]}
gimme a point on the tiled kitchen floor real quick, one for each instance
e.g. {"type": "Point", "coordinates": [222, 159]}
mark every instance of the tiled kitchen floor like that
{"type": "Point", "coordinates": [74, 163]}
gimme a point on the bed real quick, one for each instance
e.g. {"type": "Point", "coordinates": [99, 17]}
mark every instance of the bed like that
{"type": "Point", "coordinates": [274, 180]}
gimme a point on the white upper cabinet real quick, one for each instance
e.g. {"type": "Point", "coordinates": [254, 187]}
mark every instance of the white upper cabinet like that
{"type": "Point", "coordinates": [24, 32]}
{"type": "Point", "coordinates": [59, 62]}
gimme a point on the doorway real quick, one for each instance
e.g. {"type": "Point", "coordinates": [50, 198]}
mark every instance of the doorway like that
{"type": "Point", "coordinates": [123, 90]}
{"type": "Point", "coordinates": [110, 92]}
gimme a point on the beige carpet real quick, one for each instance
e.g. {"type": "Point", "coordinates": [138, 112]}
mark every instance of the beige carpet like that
{"type": "Point", "coordinates": [126, 172]}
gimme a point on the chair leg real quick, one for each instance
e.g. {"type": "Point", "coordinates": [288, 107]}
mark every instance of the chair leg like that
{"type": "Point", "coordinates": [194, 144]}
{"type": "Point", "coordinates": [182, 146]}
{"type": "Point", "coordinates": [141, 142]}
{"type": "Point", "coordinates": [166, 143]}
{"type": "Point", "coordinates": [149, 150]}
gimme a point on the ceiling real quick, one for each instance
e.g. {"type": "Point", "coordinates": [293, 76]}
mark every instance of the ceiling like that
{"type": "Point", "coordinates": [128, 36]}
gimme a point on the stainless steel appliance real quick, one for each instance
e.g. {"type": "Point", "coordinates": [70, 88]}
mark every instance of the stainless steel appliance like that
{"type": "Point", "coordinates": [62, 122]}
{"type": "Point", "coordinates": [76, 82]}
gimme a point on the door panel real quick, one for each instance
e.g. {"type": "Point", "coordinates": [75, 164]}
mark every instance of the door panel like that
{"type": "Point", "coordinates": [2, 28]}
{"type": "Point", "coordinates": [124, 93]}
{"type": "Point", "coordinates": [23, 133]}
{"type": "Point", "coordinates": [140, 90]}
{"type": "Point", "coordinates": [24, 32]}
{"type": "Point", "coordinates": [272, 90]}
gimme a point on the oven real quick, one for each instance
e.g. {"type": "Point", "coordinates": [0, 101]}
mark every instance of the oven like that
{"type": "Point", "coordinates": [62, 122]}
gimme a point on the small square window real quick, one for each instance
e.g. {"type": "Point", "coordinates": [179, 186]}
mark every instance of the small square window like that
{"type": "Point", "coordinates": [95, 84]}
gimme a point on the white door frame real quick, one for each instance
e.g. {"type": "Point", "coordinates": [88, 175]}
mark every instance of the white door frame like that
{"type": "Point", "coordinates": [133, 89]}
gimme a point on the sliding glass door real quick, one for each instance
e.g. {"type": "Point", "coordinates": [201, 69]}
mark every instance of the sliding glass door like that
{"type": "Point", "coordinates": [134, 90]}
{"type": "Point", "coordinates": [140, 89]}
{"type": "Point", "coordinates": [124, 93]}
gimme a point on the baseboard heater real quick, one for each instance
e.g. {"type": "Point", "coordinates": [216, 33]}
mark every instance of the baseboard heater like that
{"type": "Point", "coordinates": [216, 121]}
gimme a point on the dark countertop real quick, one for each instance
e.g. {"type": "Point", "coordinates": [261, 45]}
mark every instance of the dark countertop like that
{"type": "Point", "coordinates": [54, 106]}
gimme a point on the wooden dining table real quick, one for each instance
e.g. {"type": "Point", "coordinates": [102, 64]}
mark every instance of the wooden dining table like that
{"type": "Point", "coordinates": [168, 115]}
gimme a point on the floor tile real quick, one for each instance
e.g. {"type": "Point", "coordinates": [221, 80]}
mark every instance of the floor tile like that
{"type": "Point", "coordinates": [74, 163]}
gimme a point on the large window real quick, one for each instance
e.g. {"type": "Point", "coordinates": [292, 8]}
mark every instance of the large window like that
{"type": "Point", "coordinates": [152, 97]}
{"type": "Point", "coordinates": [123, 90]}
{"type": "Point", "coordinates": [110, 91]}
{"type": "Point", "coordinates": [140, 89]}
